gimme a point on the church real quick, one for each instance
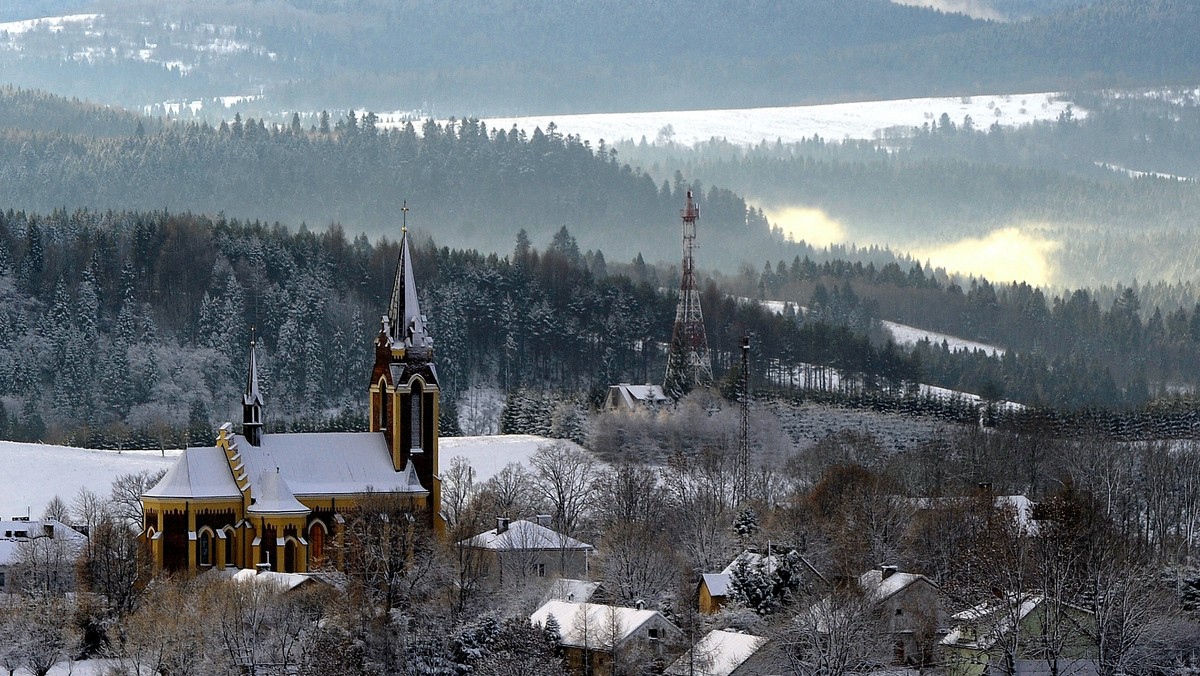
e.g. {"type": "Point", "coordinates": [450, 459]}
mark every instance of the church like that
{"type": "Point", "coordinates": [275, 501]}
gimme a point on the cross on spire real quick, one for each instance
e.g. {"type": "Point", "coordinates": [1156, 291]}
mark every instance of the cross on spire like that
{"type": "Point", "coordinates": [404, 217]}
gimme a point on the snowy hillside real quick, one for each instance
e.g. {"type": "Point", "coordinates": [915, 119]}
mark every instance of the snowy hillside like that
{"type": "Point", "coordinates": [750, 126]}
{"type": "Point", "coordinates": [910, 335]}
{"type": "Point", "coordinates": [34, 473]}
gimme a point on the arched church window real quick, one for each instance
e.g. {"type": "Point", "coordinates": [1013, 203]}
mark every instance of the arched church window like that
{"type": "Point", "coordinates": [415, 416]}
{"type": "Point", "coordinates": [205, 547]}
{"type": "Point", "coordinates": [382, 423]}
{"type": "Point", "coordinates": [229, 545]}
{"type": "Point", "coordinates": [316, 543]}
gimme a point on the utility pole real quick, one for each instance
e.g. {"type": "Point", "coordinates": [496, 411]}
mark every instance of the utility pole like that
{"type": "Point", "coordinates": [743, 460]}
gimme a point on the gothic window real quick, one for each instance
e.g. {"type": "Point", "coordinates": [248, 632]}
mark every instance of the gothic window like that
{"type": "Point", "coordinates": [229, 543]}
{"type": "Point", "coordinates": [206, 547]}
{"type": "Point", "coordinates": [289, 556]}
{"type": "Point", "coordinates": [316, 543]}
{"type": "Point", "coordinates": [414, 418]}
{"type": "Point", "coordinates": [383, 405]}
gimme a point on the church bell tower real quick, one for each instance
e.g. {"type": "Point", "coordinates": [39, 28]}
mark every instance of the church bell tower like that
{"type": "Point", "coordinates": [404, 390]}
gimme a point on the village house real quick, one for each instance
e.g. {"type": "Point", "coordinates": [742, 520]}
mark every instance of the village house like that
{"type": "Point", "coordinates": [47, 544]}
{"type": "Point", "coordinates": [1026, 634]}
{"type": "Point", "coordinates": [517, 551]}
{"type": "Point", "coordinates": [626, 397]}
{"type": "Point", "coordinates": [713, 592]}
{"type": "Point", "coordinates": [719, 653]}
{"type": "Point", "coordinates": [596, 638]}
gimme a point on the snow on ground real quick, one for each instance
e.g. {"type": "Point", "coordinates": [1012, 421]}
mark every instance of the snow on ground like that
{"type": "Point", "coordinates": [750, 126]}
{"type": "Point", "coordinates": [910, 335]}
{"type": "Point", "coordinates": [53, 24]}
{"type": "Point", "coordinates": [489, 455]}
{"type": "Point", "coordinates": [1133, 173]}
{"type": "Point", "coordinates": [32, 474]}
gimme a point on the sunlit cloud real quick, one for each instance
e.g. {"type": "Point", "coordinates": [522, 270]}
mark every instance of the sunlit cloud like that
{"type": "Point", "coordinates": [978, 9]}
{"type": "Point", "coordinates": [1003, 256]}
{"type": "Point", "coordinates": [810, 225]}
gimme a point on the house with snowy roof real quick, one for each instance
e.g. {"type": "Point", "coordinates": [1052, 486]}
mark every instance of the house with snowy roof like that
{"type": "Point", "coordinates": [626, 397]}
{"type": "Point", "coordinates": [516, 552]}
{"type": "Point", "coordinates": [597, 639]}
{"type": "Point", "coordinates": [52, 543]}
{"type": "Point", "coordinates": [906, 611]}
{"type": "Point", "coordinates": [718, 653]}
{"type": "Point", "coordinates": [714, 588]}
{"type": "Point", "coordinates": [275, 501]}
{"type": "Point", "coordinates": [1020, 633]}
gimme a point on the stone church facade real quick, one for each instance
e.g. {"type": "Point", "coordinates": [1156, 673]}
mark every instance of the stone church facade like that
{"type": "Point", "coordinates": [275, 501]}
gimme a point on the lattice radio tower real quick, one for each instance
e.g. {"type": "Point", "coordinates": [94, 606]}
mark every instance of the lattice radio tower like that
{"type": "Point", "coordinates": [689, 363]}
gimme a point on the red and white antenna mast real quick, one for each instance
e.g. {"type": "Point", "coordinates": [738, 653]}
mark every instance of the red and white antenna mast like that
{"type": "Point", "coordinates": [689, 363]}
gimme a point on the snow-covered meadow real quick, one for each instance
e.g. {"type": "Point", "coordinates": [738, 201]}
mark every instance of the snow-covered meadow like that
{"type": "Point", "coordinates": [750, 126]}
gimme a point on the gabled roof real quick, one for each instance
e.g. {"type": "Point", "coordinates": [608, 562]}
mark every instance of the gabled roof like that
{"type": "Point", "coordinates": [329, 463]}
{"type": "Point", "coordinates": [524, 535]}
{"type": "Point", "coordinates": [10, 542]}
{"type": "Point", "coordinates": [880, 588]}
{"type": "Point", "coordinates": [571, 590]}
{"type": "Point", "coordinates": [717, 583]}
{"type": "Point", "coordinates": [591, 625]}
{"type": "Point", "coordinates": [198, 473]}
{"type": "Point", "coordinates": [271, 495]}
{"type": "Point", "coordinates": [638, 394]}
{"type": "Point", "coordinates": [982, 625]}
{"type": "Point", "coordinates": [719, 653]}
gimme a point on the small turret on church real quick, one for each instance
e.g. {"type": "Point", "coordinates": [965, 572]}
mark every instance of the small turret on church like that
{"type": "Point", "coordinates": [404, 390]}
{"type": "Point", "coordinates": [252, 402]}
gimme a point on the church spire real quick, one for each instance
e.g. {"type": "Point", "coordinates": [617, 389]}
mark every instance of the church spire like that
{"type": "Point", "coordinates": [405, 324]}
{"type": "Point", "coordinates": [252, 400]}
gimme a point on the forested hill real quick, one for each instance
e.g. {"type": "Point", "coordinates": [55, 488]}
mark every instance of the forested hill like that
{"type": "Point", "coordinates": [472, 186]}
{"type": "Point", "coordinates": [129, 328]}
{"type": "Point", "coordinates": [556, 56]}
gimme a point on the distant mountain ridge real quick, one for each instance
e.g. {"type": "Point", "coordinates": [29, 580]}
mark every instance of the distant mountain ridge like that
{"type": "Point", "coordinates": [546, 57]}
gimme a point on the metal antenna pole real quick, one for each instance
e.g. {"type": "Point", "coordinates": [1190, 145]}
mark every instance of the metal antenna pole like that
{"type": "Point", "coordinates": [743, 468]}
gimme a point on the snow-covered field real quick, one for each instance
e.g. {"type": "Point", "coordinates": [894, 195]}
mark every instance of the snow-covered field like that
{"type": "Point", "coordinates": [910, 335]}
{"type": "Point", "coordinates": [489, 455]}
{"type": "Point", "coordinates": [52, 24]}
{"type": "Point", "coordinates": [32, 474]}
{"type": "Point", "coordinates": [750, 126]}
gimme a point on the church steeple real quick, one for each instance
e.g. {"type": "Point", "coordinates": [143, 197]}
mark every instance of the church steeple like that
{"type": "Point", "coordinates": [252, 402]}
{"type": "Point", "coordinates": [405, 324]}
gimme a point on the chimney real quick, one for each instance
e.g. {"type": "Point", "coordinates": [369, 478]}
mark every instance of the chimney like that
{"type": "Point", "coordinates": [640, 604]}
{"type": "Point", "coordinates": [501, 524]}
{"type": "Point", "coordinates": [544, 520]}
{"type": "Point", "coordinates": [886, 572]}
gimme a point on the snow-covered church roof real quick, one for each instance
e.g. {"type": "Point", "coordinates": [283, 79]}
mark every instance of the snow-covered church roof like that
{"type": "Point", "coordinates": [198, 473]}
{"type": "Point", "coordinates": [272, 496]}
{"type": "Point", "coordinates": [329, 463]}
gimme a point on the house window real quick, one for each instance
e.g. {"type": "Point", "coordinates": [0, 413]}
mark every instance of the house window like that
{"type": "Point", "coordinates": [538, 570]}
{"type": "Point", "coordinates": [899, 612]}
{"type": "Point", "coordinates": [1, 579]}
{"type": "Point", "coordinates": [654, 635]}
